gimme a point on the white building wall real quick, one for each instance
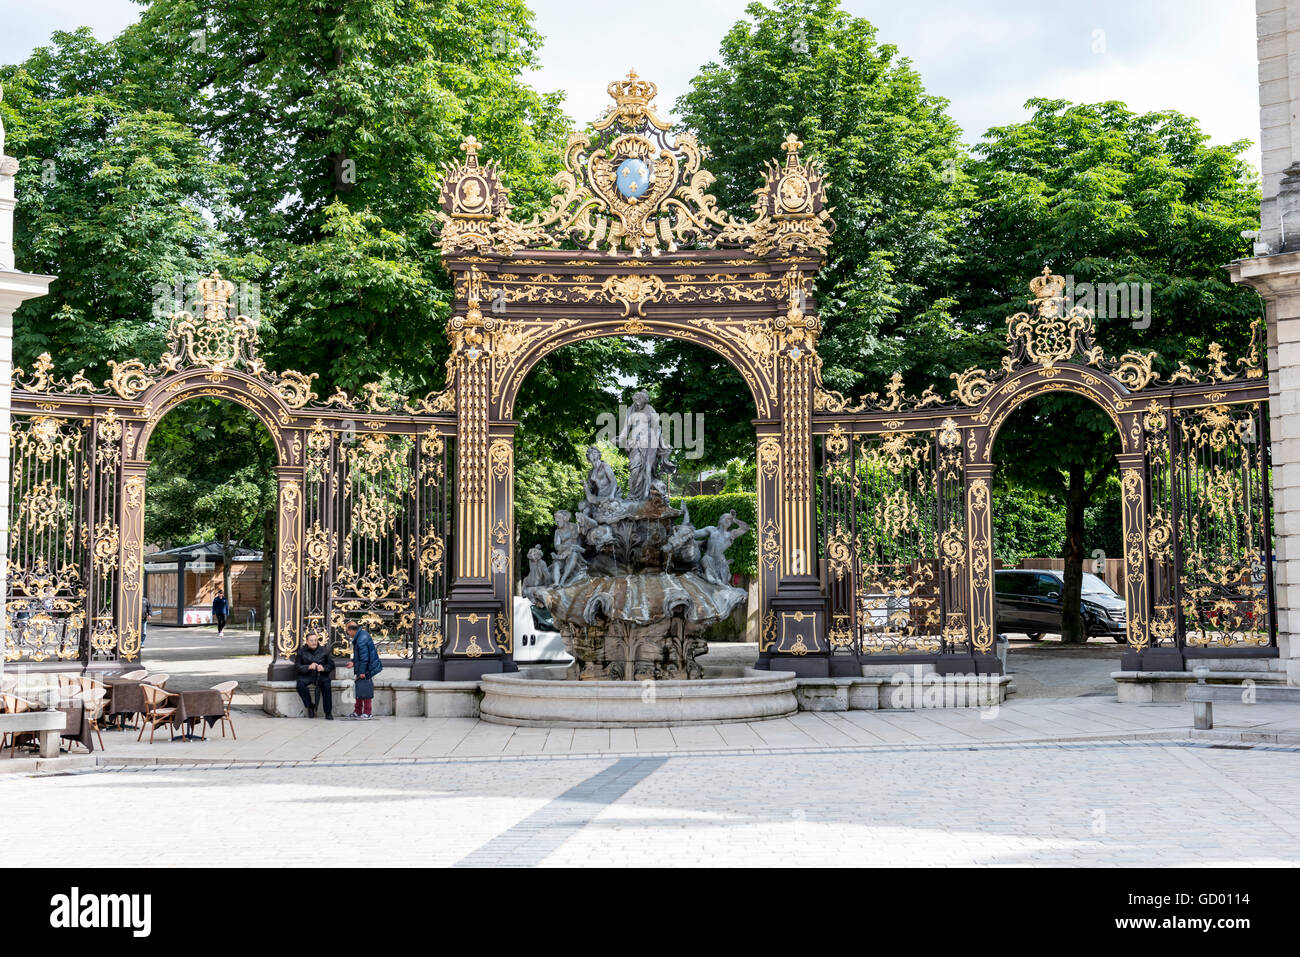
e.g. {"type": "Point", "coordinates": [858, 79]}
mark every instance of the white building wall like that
{"type": "Point", "coordinates": [15, 289]}
{"type": "Point", "coordinates": [1275, 273]}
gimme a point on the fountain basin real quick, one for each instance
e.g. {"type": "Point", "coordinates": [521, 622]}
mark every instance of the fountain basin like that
{"type": "Point", "coordinates": [519, 699]}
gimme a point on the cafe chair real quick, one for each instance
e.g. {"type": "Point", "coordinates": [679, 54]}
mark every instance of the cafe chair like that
{"type": "Point", "coordinates": [69, 685]}
{"type": "Point", "coordinates": [12, 704]}
{"type": "Point", "coordinates": [158, 680]}
{"type": "Point", "coordinates": [155, 713]}
{"type": "Point", "coordinates": [227, 690]}
{"type": "Point", "coordinates": [90, 684]}
{"type": "Point", "coordinates": [135, 675]}
{"type": "Point", "coordinates": [95, 702]}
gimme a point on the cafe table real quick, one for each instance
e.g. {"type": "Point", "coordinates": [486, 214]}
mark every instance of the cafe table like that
{"type": "Point", "coordinates": [205, 704]}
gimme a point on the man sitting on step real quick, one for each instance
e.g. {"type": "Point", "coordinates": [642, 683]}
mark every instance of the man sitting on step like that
{"type": "Point", "coordinates": [315, 666]}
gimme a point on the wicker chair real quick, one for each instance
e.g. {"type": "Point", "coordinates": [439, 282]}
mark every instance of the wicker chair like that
{"type": "Point", "coordinates": [95, 701]}
{"type": "Point", "coordinates": [135, 675]}
{"type": "Point", "coordinates": [227, 690]}
{"type": "Point", "coordinates": [158, 680]}
{"type": "Point", "coordinates": [12, 704]}
{"type": "Point", "coordinates": [69, 685]}
{"type": "Point", "coordinates": [90, 684]}
{"type": "Point", "coordinates": [155, 713]}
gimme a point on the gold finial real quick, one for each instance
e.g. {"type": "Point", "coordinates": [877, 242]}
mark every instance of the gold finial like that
{"type": "Point", "coordinates": [471, 147]}
{"type": "Point", "coordinates": [1048, 292]}
{"type": "Point", "coordinates": [215, 293]}
{"type": "Point", "coordinates": [633, 91]}
{"type": "Point", "coordinates": [1048, 285]}
{"type": "Point", "coordinates": [792, 145]}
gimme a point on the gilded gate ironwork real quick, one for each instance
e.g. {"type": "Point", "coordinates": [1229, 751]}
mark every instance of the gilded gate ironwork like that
{"type": "Point", "coordinates": [884, 549]}
{"type": "Point", "coordinates": [906, 522]}
{"type": "Point", "coordinates": [633, 245]}
{"type": "Point", "coordinates": [364, 497]}
{"type": "Point", "coordinates": [874, 518]}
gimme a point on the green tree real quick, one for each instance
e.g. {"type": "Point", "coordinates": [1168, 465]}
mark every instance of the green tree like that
{"type": "Point", "coordinates": [113, 198]}
{"type": "Point", "coordinates": [892, 154]}
{"type": "Point", "coordinates": [1104, 195]}
{"type": "Point", "coordinates": [341, 115]}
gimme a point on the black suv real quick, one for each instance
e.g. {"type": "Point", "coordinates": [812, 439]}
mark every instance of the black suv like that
{"type": "Point", "coordinates": [1029, 601]}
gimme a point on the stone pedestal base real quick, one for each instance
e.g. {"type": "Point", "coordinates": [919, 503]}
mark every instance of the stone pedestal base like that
{"type": "Point", "coordinates": [398, 697]}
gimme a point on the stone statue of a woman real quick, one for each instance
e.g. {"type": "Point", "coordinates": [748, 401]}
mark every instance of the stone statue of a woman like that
{"type": "Point", "coordinates": [647, 453]}
{"type": "Point", "coordinates": [600, 485]}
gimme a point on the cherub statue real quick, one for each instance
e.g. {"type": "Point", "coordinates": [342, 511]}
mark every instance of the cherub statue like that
{"type": "Point", "coordinates": [682, 550]}
{"type": "Point", "coordinates": [714, 566]}
{"type": "Point", "coordinates": [538, 572]}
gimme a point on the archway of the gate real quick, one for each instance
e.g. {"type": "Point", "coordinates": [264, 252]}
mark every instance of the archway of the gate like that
{"type": "Point", "coordinates": [769, 339]}
{"type": "Point", "coordinates": [905, 509]}
{"type": "Point", "coordinates": [632, 245]}
{"type": "Point", "coordinates": [364, 496]}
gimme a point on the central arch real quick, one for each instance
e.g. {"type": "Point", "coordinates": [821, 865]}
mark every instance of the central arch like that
{"type": "Point", "coordinates": [748, 364]}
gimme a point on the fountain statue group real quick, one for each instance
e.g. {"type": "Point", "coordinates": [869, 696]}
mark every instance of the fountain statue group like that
{"type": "Point", "coordinates": [632, 584]}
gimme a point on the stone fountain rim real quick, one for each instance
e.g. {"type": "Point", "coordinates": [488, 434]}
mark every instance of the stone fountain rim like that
{"type": "Point", "coordinates": [517, 699]}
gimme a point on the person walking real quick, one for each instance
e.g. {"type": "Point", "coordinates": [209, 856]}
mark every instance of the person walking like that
{"type": "Point", "coordinates": [146, 612]}
{"type": "Point", "coordinates": [365, 665]}
{"type": "Point", "coordinates": [220, 609]}
{"type": "Point", "coordinates": [315, 666]}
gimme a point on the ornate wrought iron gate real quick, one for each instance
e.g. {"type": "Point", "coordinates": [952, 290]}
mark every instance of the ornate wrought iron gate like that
{"type": "Point", "coordinates": [906, 509]}
{"type": "Point", "coordinates": [875, 533]}
{"type": "Point", "coordinates": [364, 496]}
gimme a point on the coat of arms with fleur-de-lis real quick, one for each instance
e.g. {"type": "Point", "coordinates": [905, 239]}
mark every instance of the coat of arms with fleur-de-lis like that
{"type": "Point", "coordinates": [214, 337]}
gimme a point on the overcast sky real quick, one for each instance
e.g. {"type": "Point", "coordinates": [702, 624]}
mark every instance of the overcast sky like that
{"type": "Point", "coordinates": [985, 56]}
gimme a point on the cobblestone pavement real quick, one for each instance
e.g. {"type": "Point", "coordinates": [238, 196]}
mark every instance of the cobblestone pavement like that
{"type": "Point", "coordinates": [1111, 803]}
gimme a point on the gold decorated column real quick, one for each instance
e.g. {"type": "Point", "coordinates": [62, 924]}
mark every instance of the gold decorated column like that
{"type": "Point", "coordinates": [979, 544]}
{"type": "Point", "coordinates": [1137, 590]}
{"type": "Point", "coordinates": [130, 608]}
{"type": "Point", "coordinates": [794, 626]}
{"type": "Point", "coordinates": [288, 590]}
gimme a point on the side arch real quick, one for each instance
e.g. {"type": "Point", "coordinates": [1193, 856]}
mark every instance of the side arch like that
{"type": "Point", "coordinates": [1102, 390]}
{"type": "Point", "coordinates": [166, 395]}
{"type": "Point", "coordinates": [1113, 398]}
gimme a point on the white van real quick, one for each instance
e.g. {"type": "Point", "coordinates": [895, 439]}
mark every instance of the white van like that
{"type": "Point", "coordinates": [536, 640]}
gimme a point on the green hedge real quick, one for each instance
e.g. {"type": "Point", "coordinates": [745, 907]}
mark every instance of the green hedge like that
{"type": "Point", "coordinates": [1026, 524]}
{"type": "Point", "coordinates": [1029, 524]}
{"type": "Point", "coordinates": [707, 509]}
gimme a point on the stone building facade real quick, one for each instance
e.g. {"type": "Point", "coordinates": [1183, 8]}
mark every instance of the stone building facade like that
{"type": "Point", "coordinates": [1275, 272]}
{"type": "Point", "coordinates": [15, 289]}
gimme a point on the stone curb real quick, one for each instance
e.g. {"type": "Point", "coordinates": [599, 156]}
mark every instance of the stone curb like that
{"type": "Point", "coordinates": [1118, 737]}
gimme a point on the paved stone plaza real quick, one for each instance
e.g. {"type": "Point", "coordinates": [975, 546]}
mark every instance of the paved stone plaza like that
{"type": "Point", "coordinates": [1099, 803]}
{"type": "Point", "coordinates": [1065, 775]}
